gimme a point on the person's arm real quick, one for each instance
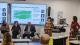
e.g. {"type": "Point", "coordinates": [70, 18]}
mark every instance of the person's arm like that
{"type": "Point", "coordinates": [1, 28]}
{"type": "Point", "coordinates": [78, 26]}
{"type": "Point", "coordinates": [71, 26]}
{"type": "Point", "coordinates": [45, 26]}
{"type": "Point", "coordinates": [19, 29]}
{"type": "Point", "coordinates": [8, 27]}
{"type": "Point", "coordinates": [34, 29]}
{"type": "Point", "coordinates": [12, 28]}
{"type": "Point", "coordinates": [25, 30]}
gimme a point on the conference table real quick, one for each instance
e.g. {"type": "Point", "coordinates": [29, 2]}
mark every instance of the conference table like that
{"type": "Point", "coordinates": [75, 42]}
{"type": "Point", "coordinates": [60, 38]}
{"type": "Point", "coordinates": [26, 43]}
{"type": "Point", "coordinates": [23, 42]}
{"type": "Point", "coordinates": [19, 40]}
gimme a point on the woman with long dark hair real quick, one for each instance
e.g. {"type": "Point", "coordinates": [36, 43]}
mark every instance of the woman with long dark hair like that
{"type": "Point", "coordinates": [4, 27]}
{"type": "Point", "coordinates": [16, 29]}
{"type": "Point", "coordinates": [7, 40]}
{"type": "Point", "coordinates": [74, 27]}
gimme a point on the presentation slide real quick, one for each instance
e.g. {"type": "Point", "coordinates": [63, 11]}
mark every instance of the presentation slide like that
{"type": "Point", "coordinates": [3, 12]}
{"type": "Point", "coordinates": [24, 13]}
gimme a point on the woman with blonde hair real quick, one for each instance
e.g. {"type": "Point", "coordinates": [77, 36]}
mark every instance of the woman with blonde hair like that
{"type": "Point", "coordinates": [7, 38]}
{"type": "Point", "coordinates": [44, 40]}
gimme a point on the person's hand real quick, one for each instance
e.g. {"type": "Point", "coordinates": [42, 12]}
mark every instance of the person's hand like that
{"type": "Point", "coordinates": [71, 30]}
{"type": "Point", "coordinates": [25, 31]}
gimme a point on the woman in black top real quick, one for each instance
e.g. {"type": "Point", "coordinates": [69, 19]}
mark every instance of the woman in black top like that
{"type": "Point", "coordinates": [16, 29]}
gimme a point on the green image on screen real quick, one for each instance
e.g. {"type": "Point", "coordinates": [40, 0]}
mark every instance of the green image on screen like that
{"type": "Point", "coordinates": [22, 14]}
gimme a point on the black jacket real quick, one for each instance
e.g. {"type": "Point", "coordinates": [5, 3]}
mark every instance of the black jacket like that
{"type": "Point", "coordinates": [32, 28]}
{"type": "Point", "coordinates": [16, 30]}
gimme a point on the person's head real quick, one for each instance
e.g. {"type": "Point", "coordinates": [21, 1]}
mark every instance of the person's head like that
{"type": "Point", "coordinates": [16, 23]}
{"type": "Point", "coordinates": [75, 18]}
{"type": "Point", "coordinates": [44, 40]}
{"type": "Point", "coordinates": [7, 37]}
{"type": "Point", "coordinates": [49, 19]}
{"type": "Point", "coordinates": [29, 23]}
{"type": "Point", "coordinates": [4, 23]}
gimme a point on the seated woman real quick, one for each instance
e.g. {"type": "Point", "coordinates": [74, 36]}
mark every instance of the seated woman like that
{"type": "Point", "coordinates": [7, 40]}
{"type": "Point", "coordinates": [16, 29]}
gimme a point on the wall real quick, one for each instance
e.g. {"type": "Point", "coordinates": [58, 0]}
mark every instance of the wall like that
{"type": "Point", "coordinates": [79, 14]}
{"type": "Point", "coordinates": [69, 9]}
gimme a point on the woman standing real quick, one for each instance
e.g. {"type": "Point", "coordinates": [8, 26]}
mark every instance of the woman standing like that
{"type": "Point", "coordinates": [4, 27]}
{"type": "Point", "coordinates": [74, 27]}
{"type": "Point", "coordinates": [49, 26]}
{"type": "Point", "coordinates": [16, 29]}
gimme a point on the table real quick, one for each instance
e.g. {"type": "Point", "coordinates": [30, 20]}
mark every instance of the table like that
{"type": "Point", "coordinates": [23, 42]}
{"type": "Point", "coordinates": [74, 42]}
{"type": "Point", "coordinates": [59, 38]}
{"type": "Point", "coordinates": [19, 40]}
{"type": "Point", "coordinates": [26, 43]}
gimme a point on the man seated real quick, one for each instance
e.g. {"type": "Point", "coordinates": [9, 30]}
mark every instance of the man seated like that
{"type": "Point", "coordinates": [29, 30]}
{"type": "Point", "coordinates": [44, 39]}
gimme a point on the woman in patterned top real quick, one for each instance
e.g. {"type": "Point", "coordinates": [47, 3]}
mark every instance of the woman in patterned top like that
{"type": "Point", "coordinates": [48, 26]}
